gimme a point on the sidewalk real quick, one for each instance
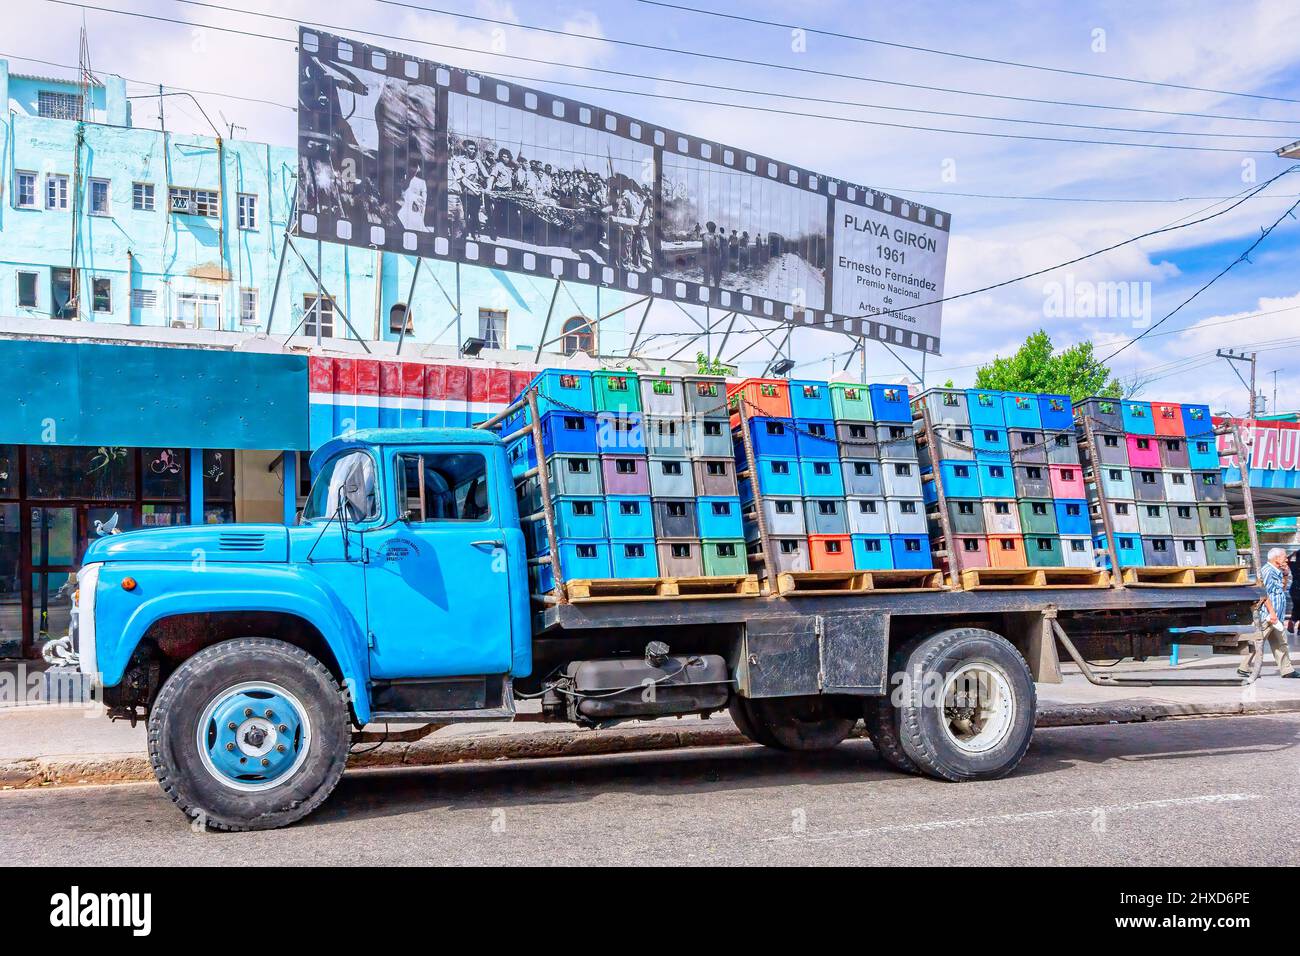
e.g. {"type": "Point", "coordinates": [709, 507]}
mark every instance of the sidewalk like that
{"type": "Point", "coordinates": [45, 745]}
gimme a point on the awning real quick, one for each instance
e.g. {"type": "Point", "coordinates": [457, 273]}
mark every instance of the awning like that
{"type": "Point", "coordinates": [76, 394]}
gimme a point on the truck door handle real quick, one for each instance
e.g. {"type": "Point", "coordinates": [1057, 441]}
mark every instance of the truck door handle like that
{"type": "Point", "coordinates": [488, 544]}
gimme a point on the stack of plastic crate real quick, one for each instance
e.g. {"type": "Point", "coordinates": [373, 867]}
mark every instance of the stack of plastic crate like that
{"type": "Point", "coordinates": [839, 480]}
{"type": "Point", "coordinates": [1011, 476]}
{"type": "Point", "coordinates": [1155, 474]}
{"type": "Point", "coordinates": [566, 404]}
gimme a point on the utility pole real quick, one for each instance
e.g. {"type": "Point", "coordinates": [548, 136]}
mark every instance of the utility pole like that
{"type": "Point", "coordinates": [1233, 356]}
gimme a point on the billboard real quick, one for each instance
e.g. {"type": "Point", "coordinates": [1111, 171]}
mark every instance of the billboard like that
{"type": "Point", "coordinates": [416, 157]}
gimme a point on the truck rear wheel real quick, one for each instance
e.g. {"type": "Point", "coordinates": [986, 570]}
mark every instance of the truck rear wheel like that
{"type": "Point", "coordinates": [965, 710]}
{"type": "Point", "coordinates": [249, 734]}
{"type": "Point", "coordinates": [881, 719]}
{"type": "Point", "coordinates": [813, 722]}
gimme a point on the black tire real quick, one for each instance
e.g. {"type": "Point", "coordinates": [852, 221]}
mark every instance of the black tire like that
{"type": "Point", "coordinates": [740, 716]}
{"type": "Point", "coordinates": [808, 723]}
{"type": "Point", "coordinates": [922, 722]}
{"type": "Point", "coordinates": [881, 720]}
{"type": "Point", "coordinates": [173, 725]}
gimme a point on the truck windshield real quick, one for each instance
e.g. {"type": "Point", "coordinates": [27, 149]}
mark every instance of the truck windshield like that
{"type": "Point", "coordinates": [346, 486]}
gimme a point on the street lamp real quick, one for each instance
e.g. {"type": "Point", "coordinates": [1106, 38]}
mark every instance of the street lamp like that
{"type": "Point", "coordinates": [1290, 152]}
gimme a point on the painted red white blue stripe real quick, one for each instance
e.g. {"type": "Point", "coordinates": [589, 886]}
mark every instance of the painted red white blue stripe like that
{"type": "Point", "coordinates": [352, 393]}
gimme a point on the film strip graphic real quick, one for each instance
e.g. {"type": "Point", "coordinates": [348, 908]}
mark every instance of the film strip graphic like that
{"type": "Point", "coordinates": [318, 127]}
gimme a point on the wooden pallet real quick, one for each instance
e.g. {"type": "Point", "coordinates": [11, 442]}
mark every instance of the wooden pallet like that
{"type": "Point", "coordinates": [590, 590]}
{"type": "Point", "coordinates": [808, 583]}
{"type": "Point", "coordinates": [1006, 579]}
{"type": "Point", "coordinates": [1207, 576]}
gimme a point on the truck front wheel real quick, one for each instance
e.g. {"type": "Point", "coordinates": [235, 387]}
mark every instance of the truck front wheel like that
{"type": "Point", "coordinates": [965, 707]}
{"type": "Point", "coordinates": [814, 722]}
{"type": "Point", "coordinates": [249, 734]}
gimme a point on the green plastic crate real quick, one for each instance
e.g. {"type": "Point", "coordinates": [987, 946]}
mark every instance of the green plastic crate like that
{"type": "Point", "coordinates": [1038, 557]}
{"type": "Point", "coordinates": [850, 402]}
{"type": "Point", "coordinates": [616, 391]}
{"type": "Point", "coordinates": [1037, 521]}
{"type": "Point", "coordinates": [717, 563]}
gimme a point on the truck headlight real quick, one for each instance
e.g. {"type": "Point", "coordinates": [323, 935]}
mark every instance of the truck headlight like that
{"type": "Point", "coordinates": [84, 639]}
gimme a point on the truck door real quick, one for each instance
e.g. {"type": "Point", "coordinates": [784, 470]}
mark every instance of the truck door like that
{"type": "Point", "coordinates": [437, 587]}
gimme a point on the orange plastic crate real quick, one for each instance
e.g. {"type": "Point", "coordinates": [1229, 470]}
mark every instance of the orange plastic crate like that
{"type": "Point", "coordinates": [830, 552]}
{"type": "Point", "coordinates": [1006, 551]}
{"type": "Point", "coordinates": [765, 396]}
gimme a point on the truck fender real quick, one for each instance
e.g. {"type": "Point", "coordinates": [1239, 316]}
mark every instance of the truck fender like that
{"type": "Point", "coordinates": [165, 590]}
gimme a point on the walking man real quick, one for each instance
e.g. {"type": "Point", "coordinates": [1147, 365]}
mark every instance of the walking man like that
{"type": "Point", "coordinates": [1274, 579]}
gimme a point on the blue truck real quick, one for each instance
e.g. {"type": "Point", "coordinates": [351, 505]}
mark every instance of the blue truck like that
{"type": "Point", "coordinates": [259, 654]}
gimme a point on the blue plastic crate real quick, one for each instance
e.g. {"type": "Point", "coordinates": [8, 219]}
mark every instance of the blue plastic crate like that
{"type": "Point", "coordinates": [985, 408]}
{"type": "Point", "coordinates": [719, 517]}
{"type": "Point", "coordinates": [1072, 516]}
{"type": "Point", "coordinates": [1203, 453]}
{"type": "Point", "coordinates": [1057, 413]}
{"type": "Point", "coordinates": [633, 558]}
{"type": "Point", "coordinates": [1197, 421]}
{"type": "Point", "coordinates": [776, 476]}
{"type": "Point", "coordinates": [815, 438]}
{"type": "Point", "coordinates": [629, 516]}
{"type": "Point", "coordinates": [578, 559]}
{"type": "Point", "coordinates": [910, 550]}
{"type": "Point", "coordinates": [563, 433]}
{"type": "Point", "coordinates": [996, 479]}
{"type": "Point", "coordinates": [1021, 410]}
{"type": "Point", "coordinates": [991, 443]}
{"type": "Point", "coordinates": [891, 403]}
{"type": "Point", "coordinates": [620, 433]}
{"type": "Point", "coordinates": [1137, 418]}
{"type": "Point", "coordinates": [563, 389]}
{"type": "Point", "coordinates": [810, 399]}
{"type": "Point", "coordinates": [872, 552]}
{"type": "Point", "coordinates": [821, 478]}
{"type": "Point", "coordinates": [1129, 547]}
{"type": "Point", "coordinates": [771, 437]}
{"type": "Point", "coordinates": [960, 479]}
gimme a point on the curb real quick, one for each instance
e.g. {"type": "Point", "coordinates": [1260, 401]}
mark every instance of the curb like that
{"type": "Point", "coordinates": [98, 769]}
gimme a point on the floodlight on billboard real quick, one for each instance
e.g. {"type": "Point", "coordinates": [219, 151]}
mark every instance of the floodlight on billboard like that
{"type": "Point", "coordinates": [411, 156]}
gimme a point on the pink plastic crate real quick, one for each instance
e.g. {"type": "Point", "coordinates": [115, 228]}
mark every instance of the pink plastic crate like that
{"type": "Point", "coordinates": [1143, 452]}
{"type": "Point", "coordinates": [1067, 481]}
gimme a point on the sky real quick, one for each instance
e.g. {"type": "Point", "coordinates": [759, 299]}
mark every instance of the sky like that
{"type": "Point", "coordinates": [1073, 197]}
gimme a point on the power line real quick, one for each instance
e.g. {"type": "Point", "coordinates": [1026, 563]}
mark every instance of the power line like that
{"type": "Point", "coordinates": [1089, 255]}
{"type": "Point", "coordinates": [662, 96]}
{"type": "Point", "coordinates": [966, 56]}
{"type": "Point", "coordinates": [799, 69]}
{"type": "Point", "coordinates": [1243, 257]}
{"type": "Point", "coordinates": [1271, 136]}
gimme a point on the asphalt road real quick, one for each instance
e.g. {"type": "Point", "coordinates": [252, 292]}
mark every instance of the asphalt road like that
{"type": "Point", "coordinates": [1210, 791]}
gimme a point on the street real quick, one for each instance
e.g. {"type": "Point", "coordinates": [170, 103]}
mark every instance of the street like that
{"type": "Point", "coordinates": [1179, 792]}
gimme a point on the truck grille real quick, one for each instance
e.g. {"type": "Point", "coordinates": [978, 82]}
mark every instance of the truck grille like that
{"type": "Point", "coordinates": [242, 542]}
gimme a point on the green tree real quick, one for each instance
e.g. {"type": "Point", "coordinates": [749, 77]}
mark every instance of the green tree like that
{"type": "Point", "coordinates": [1037, 367]}
{"type": "Point", "coordinates": [708, 366]}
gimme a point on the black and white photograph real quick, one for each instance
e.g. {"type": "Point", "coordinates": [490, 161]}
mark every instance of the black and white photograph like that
{"type": "Point", "coordinates": [743, 233]}
{"type": "Point", "coordinates": [543, 185]}
{"type": "Point", "coordinates": [369, 156]}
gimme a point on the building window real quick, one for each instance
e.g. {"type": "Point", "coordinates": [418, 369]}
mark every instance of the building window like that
{"type": "Point", "coordinates": [142, 197]}
{"type": "Point", "coordinates": [25, 190]}
{"type": "Point", "coordinates": [27, 290]}
{"type": "Point", "coordinates": [492, 328]}
{"type": "Point", "coordinates": [56, 191]}
{"type": "Point", "coordinates": [197, 310]}
{"type": "Point", "coordinates": [193, 202]}
{"type": "Point", "coordinates": [52, 105]}
{"type": "Point", "coordinates": [101, 294]}
{"type": "Point", "coordinates": [99, 198]}
{"type": "Point", "coordinates": [577, 336]}
{"type": "Point", "coordinates": [397, 321]}
{"type": "Point", "coordinates": [247, 211]}
{"type": "Point", "coordinates": [248, 307]}
{"type": "Point", "coordinates": [309, 315]}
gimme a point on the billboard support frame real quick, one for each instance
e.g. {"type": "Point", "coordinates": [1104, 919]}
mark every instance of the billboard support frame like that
{"type": "Point", "coordinates": [333, 301]}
